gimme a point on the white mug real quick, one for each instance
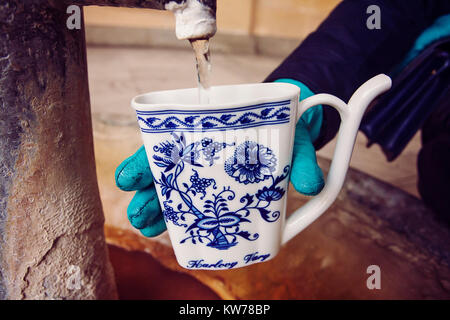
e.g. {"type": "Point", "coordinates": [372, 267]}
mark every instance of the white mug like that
{"type": "Point", "coordinates": [222, 169]}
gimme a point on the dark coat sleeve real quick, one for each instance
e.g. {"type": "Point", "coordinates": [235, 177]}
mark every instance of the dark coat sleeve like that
{"type": "Point", "coordinates": [343, 53]}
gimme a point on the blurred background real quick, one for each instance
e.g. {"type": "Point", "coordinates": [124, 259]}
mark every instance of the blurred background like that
{"type": "Point", "coordinates": [251, 26]}
{"type": "Point", "coordinates": [133, 51]}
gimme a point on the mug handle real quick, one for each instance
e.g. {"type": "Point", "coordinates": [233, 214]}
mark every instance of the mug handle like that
{"type": "Point", "coordinates": [351, 116]}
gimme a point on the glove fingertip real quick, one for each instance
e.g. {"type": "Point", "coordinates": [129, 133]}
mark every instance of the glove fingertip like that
{"type": "Point", "coordinates": [121, 182]}
{"type": "Point", "coordinates": [307, 177]}
{"type": "Point", "coordinates": [144, 208]}
{"type": "Point", "coordinates": [134, 173]}
{"type": "Point", "coordinates": [308, 188]}
{"type": "Point", "coordinates": [155, 229]}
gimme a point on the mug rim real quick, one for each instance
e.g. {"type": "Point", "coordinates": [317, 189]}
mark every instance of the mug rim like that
{"type": "Point", "coordinates": [292, 91]}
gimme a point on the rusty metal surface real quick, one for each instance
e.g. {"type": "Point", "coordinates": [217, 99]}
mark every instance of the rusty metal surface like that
{"type": "Point", "coordinates": [149, 4]}
{"type": "Point", "coordinates": [51, 216]}
{"type": "Point", "coordinates": [140, 276]}
{"type": "Point", "coordinates": [50, 212]}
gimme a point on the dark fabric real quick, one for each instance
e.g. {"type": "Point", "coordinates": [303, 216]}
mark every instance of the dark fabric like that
{"type": "Point", "coordinates": [434, 175]}
{"type": "Point", "coordinates": [395, 118]}
{"type": "Point", "coordinates": [330, 127]}
{"type": "Point", "coordinates": [439, 122]}
{"type": "Point", "coordinates": [343, 53]}
{"type": "Point", "coordinates": [434, 160]}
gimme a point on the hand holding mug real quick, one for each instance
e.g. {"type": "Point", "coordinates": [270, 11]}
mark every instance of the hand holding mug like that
{"type": "Point", "coordinates": [221, 170]}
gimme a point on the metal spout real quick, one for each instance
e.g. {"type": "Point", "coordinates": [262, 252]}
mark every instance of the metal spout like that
{"type": "Point", "coordinates": [195, 19]}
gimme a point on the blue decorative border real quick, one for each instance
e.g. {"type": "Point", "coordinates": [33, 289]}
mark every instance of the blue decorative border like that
{"type": "Point", "coordinates": [214, 120]}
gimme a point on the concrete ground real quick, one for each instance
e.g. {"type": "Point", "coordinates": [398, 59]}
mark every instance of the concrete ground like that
{"type": "Point", "coordinates": [116, 74]}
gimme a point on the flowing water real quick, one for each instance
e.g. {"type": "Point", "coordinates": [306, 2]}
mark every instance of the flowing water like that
{"type": "Point", "coordinates": [201, 50]}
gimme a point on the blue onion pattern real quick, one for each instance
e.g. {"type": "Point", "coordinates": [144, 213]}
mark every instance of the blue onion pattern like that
{"type": "Point", "coordinates": [251, 163]}
{"type": "Point", "coordinates": [215, 224]}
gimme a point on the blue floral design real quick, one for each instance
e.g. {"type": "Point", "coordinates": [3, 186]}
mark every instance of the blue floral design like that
{"type": "Point", "coordinates": [170, 215]}
{"type": "Point", "coordinates": [215, 224]}
{"type": "Point", "coordinates": [199, 185]}
{"type": "Point", "coordinates": [251, 163]}
{"type": "Point", "coordinates": [211, 148]}
{"type": "Point", "coordinates": [270, 194]}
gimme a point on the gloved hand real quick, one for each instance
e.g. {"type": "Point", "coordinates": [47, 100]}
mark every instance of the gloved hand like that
{"type": "Point", "coordinates": [438, 30]}
{"type": "Point", "coordinates": [144, 211]}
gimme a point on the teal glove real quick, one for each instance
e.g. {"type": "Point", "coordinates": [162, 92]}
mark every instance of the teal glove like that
{"type": "Point", "coordinates": [306, 175]}
{"type": "Point", "coordinates": [438, 30]}
{"type": "Point", "coordinates": [144, 211]}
